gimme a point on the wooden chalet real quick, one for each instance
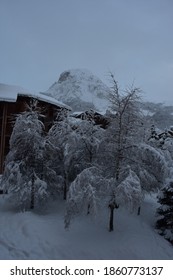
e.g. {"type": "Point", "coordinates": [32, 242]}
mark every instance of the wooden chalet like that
{"type": "Point", "coordinates": [14, 100]}
{"type": "Point", "coordinates": [91, 115]}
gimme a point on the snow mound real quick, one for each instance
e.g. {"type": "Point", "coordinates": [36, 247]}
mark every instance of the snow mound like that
{"type": "Point", "coordinates": [81, 90]}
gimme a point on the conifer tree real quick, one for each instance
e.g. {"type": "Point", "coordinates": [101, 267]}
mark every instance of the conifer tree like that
{"type": "Point", "coordinates": [24, 172]}
{"type": "Point", "coordinates": [164, 223]}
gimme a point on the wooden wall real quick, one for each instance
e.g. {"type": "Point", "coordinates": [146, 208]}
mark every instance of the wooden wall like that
{"type": "Point", "coordinates": [8, 112]}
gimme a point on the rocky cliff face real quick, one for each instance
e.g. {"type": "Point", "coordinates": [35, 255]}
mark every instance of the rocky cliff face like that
{"type": "Point", "coordinates": [81, 90]}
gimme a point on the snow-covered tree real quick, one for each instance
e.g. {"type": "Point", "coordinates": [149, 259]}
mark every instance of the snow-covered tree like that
{"type": "Point", "coordinates": [129, 192]}
{"type": "Point", "coordinates": [63, 152]}
{"type": "Point", "coordinates": [74, 145]}
{"type": "Point", "coordinates": [164, 223]}
{"type": "Point", "coordinates": [90, 192]}
{"type": "Point", "coordinates": [89, 137]}
{"type": "Point", "coordinates": [126, 128]}
{"type": "Point", "coordinates": [83, 194]}
{"type": "Point", "coordinates": [151, 166]}
{"type": "Point", "coordinates": [23, 176]}
{"type": "Point", "coordinates": [119, 147]}
{"type": "Point", "coordinates": [161, 138]}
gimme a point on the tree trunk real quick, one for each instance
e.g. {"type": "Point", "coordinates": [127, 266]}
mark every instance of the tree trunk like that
{"type": "Point", "coordinates": [111, 218]}
{"type": "Point", "coordinates": [32, 205]}
{"type": "Point", "coordinates": [139, 210]}
{"type": "Point", "coordinates": [88, 209]}
{"type": "Point", "coordinates": [112, 206]}
{"type": "Point", "coordinates": [65, 186]}
{"type": "Point", "coordinates": [65, 190]}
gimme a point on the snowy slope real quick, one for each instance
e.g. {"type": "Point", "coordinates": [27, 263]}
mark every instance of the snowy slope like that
{"type": "Point", "coordinates": [81, 90]}
{"type": "Point", "coordinates": [42, 236]}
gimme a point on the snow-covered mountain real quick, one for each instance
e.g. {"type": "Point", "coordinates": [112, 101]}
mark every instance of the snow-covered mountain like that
{"type": "Point", "coordinates": [81, 90]}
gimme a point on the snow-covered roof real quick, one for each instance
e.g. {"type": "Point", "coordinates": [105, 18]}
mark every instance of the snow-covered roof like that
{"type": "Point", "coordinates": [9, 93]}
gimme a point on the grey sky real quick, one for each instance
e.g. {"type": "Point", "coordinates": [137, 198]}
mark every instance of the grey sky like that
{"type": "Point", "coordinates": [39, 39]}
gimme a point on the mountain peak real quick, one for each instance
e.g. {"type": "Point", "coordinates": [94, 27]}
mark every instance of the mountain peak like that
{"type": "Point", "coordinates": [77, 73]}
{"type": "Point", "coordinates": [81, 90]}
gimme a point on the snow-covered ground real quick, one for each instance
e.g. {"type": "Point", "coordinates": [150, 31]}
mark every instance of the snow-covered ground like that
{"type": "Point", "coordinates": [33, 235]}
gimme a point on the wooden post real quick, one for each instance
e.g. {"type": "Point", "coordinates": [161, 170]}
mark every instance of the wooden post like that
{"type": "Point", "coordinates": [3, 133]}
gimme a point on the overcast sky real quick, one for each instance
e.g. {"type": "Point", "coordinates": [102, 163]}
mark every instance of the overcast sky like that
{"type": "Point", "coordinates": [39, 39]}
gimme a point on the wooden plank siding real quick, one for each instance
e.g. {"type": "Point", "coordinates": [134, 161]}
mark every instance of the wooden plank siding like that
{"type": "Point", "coordinates": [3, 120]}
{"type": "Point", "coordinates": [8, 112]}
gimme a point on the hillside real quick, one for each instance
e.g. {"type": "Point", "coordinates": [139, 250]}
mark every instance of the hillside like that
{"type": "Point", "coordinates": [81, 90]}
{"type": "Point", "coordinates": [159, 114]}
